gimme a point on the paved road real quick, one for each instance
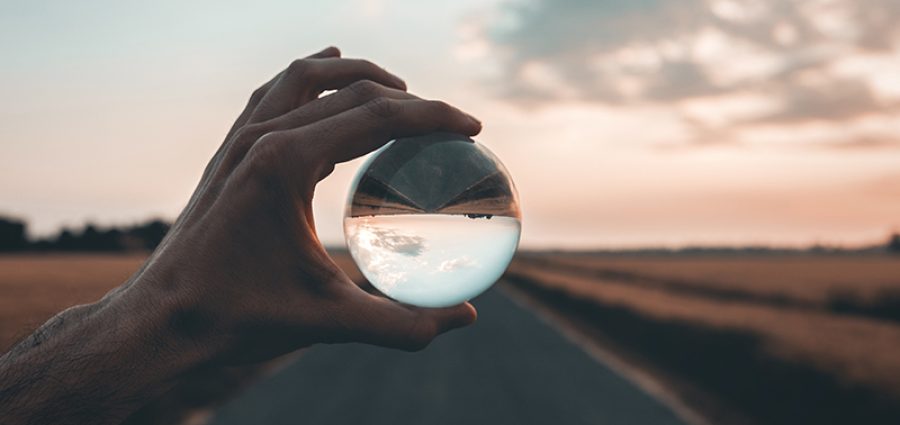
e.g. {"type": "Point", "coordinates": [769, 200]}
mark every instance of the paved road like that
{"type": "Point", "coordinates": [509, 368]}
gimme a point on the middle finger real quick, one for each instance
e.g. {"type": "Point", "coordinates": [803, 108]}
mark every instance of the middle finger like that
{"type": "Point", "coordinates": [305, 79]}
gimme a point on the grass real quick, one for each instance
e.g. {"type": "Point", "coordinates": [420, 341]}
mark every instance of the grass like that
{"type": "Point", "coordinates": [777, 339]}
{"type": "Point", "coordinates": [761, 334]}
{"type": "Point", "coordinates": [808, 279]}
{"type": "Point", "coordinates": [33, 288]}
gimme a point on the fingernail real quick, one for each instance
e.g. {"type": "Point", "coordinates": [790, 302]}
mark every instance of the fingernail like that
{"type": "Point", "coordinates": [335, 51]}
{"type": "Point", "coordinates": [475, 120]}
{"type": "Point", "coordinates": [400, 82]}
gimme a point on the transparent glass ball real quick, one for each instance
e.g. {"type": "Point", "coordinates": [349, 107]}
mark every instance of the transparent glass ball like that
{"type": "Point", "coordinates": [433, 220]}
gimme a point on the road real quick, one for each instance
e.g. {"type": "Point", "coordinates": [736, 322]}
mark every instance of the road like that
{"type": "Point", "coordinates": [509, 368]}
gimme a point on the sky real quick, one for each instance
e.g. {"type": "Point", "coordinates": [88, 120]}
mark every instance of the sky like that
{"type": "Point", "coordinates": [623, 123]}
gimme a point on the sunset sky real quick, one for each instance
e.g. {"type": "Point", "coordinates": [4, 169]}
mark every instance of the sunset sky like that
{"type": "Point", "coordinates": [624, 123]}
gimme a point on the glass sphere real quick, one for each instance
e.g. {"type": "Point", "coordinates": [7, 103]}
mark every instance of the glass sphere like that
{"type": "Point", "coordinates": [433, 220]}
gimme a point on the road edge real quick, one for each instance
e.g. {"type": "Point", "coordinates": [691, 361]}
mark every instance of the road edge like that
{"type": "Point", "coordinates": [644, 381]}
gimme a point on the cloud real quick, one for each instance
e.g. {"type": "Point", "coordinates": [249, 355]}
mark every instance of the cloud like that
{"type": "Point", "coordinates": [866, 143]}
{"type": "Point", "coordinates": [392, 240]}
{"type": "Point", "coordinates": [674, 52]}
{"type": "Point", "coordinates": [832, 99]}
{"type": "Point", "coordinates": [457, 264]}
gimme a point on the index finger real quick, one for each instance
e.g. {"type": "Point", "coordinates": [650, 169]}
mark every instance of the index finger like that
{"type": "Point", "coordinates": [305, 79]}
{"type": "Point", "coordinates": [363, 129]}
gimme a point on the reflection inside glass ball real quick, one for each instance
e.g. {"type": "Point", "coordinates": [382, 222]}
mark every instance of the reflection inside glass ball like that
{"type": "Point", "coordinates": [432, 221]}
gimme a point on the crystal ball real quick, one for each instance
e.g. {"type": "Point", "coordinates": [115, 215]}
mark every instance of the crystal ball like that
{"type": "Point", "coordinates": [432, 221]}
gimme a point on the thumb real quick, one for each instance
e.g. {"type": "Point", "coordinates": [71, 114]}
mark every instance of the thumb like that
{"type": "Point", "coordinates": [391, 324]}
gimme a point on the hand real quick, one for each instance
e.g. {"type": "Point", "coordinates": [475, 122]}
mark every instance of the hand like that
{"type": "Point", "coordinates": [247, 274]}
{"type": "Point", "coordinates": [241, 276]}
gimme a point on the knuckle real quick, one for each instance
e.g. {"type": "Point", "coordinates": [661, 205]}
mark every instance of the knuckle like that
{"type": "Point", "coordinates": [239, 146]}
{"type": "Point", "coordinates": [299, 68]}
{"type": "Point", "coordinates": [382, 107]}
{"type": "Point", "coordinates": [245, 138]}
{"type": "Point", "coordinates": [258, 94]}
{"type": "Point", "coordinates": [275, 153]}
{"type": "Point", "coordinates": [262, 157]}
{"type": "Point", "coordinates": [248, 132]}
{"type": "Point", "coordinates": [365, 90]}
{"type": "Point", "coordinates": [368, 64]}
{"type": "Point", "coordinates": [441, 107]}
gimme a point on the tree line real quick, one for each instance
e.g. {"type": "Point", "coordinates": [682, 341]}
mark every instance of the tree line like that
{"type": "Point", "coordinates": [147, 235]}
{"type": "Point", "coordinates": [89, 238]}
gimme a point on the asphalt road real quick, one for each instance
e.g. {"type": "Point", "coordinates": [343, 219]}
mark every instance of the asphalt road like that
{"type": "Point", "coordinates": [509, 368]}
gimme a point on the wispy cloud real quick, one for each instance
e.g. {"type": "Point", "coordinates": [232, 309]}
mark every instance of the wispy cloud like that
{"type": "Point", "coordinates": [392, 240]}
{"type": "Point", "coordinates": [863, 143]}
{"type": "Point", "coordinates": [796, 62]}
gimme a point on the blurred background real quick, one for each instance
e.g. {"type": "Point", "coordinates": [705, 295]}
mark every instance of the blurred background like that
{"type": "Point", "coordinates": [710, 188]}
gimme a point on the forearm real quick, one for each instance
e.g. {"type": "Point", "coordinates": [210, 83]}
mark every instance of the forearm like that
{"type": "Point", "coordinates": [96, 363]}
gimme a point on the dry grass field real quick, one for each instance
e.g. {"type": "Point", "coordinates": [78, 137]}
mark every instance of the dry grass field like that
{"type": "Point", "coordinates": [777, 339]}
{"type": "Point", "coordinates": [35, 287]}
{"type": "Point", "coordinates": [813, 279]}
{"type": "Point", "coordinates": [787, 334]}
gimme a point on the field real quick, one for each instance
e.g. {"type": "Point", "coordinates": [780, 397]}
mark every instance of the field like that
{"type": "Point", "coordinates": [766, 339]}
{"type": "Point", "coordinates": [35, 287]}
{"type": "Point", "coordinates": [741, 338]}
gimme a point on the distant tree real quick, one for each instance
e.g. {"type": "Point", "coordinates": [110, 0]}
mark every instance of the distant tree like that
{"type": "Point", "coordinates": [65, 241]}
{"type": "Point", "coordinates": [12, 235]}
{"type": "Point", "coordinates": [893, 245]}
{"type": "Point", "coordinates": [113, 240]}
{"type": "Point", "coordinates": [42, 245]}
{"type": "Point", "coordinates": [91, 238]}
{"type": "Point", "coordinates": [94, 239]}
{"type": "Point", "coordinates": [150, 234]}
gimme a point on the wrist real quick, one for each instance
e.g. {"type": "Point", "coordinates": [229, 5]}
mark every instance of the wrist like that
{"type": "Point", "coordinates": [164, 318]}
{"type": "Point", "coordinates": [115, 355]}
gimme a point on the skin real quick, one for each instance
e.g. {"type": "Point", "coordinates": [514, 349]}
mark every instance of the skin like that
{"type": "Point", "coordinates": [241, 277]}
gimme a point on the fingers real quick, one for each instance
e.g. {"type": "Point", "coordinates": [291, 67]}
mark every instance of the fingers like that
{"type": "Point", "coordinates": [391, 324]}
{"type": "Point", "coordinates": [260, 93]}
{"type": "Point", "coordinates": [328, 52]}
{"type": "Point", "coordinates": [352, 96]}
{"type": "Point", "coordinates": [255, 98]}
{"type": "Point", "coordinates": [308, 154]}
{"type": "Point", "coordinates": [347, 98]}
{"type": "Point", "coordinates": [218, 158]}
{"type": "Point", "coordinates": [305, 79]}
{"type": "Point", "coordinates": [363, 129]}
{"type": "Point", "coordinates": [337, 73]}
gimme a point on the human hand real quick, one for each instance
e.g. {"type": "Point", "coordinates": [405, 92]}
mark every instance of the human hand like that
{"type": "Point", "coordinates": [242, 272]}
{"type": "Point", "coordinates": [241, 276]}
